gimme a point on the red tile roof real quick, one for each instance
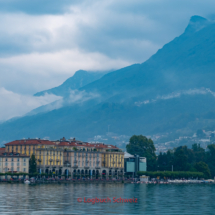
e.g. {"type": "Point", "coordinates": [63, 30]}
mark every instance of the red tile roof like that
{"type": "Point", "coordinates": [30, 142]}
{"type": "Point", "coordinates": [61, 144]}
{"type": "Point", "coordinates": [2, 150]}
{"type": "Point", "coordinates": [85, 144]}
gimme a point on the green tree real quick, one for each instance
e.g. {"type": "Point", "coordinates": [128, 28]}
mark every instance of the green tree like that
{"type": "Point", "coordinates": [203, 167]}
{"type": "Point", "coordinates": [32, 164]}
{"type": "Point", "coordinates": [182, 158]}
{"type": "Point", "coordinates": [210, 158]}
{"type": "Point", "coordinates": [165, 161]}
{"type": "Point", "coordinates": [199, 153]}
{"type": "Point", "coordinates": [144, 147]}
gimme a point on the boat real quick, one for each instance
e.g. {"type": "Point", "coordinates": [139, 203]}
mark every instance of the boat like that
{"type": "Point", "coordinates": [26, 181]}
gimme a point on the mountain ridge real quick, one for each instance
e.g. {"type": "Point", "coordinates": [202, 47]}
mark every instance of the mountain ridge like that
{"type": "Point", "coordinates": [78, 80]}
{"type": "Point", "coordinates": [185, 63]}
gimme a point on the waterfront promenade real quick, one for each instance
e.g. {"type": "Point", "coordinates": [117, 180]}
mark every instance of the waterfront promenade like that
{"type": "Point", "coordinates": [105, 181]}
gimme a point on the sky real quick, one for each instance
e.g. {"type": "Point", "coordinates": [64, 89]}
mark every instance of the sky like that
{"type": "Point", "coordinates": [42, 43]}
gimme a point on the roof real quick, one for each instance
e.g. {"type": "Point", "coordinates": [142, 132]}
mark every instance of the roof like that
{"type": "Point", "coordinates": [127, 155]}
{"type": "Point", "coordinates": [12, 154]}
{"type": "Point", "coordinates": [2, 150]}
{"type": "Point", "coordinates": [103, 146]}
{"type": "Point", "coordinates": [94, 145]}
{"type": "Point", "coordinates": [74, 143]}
{"type": "Point", "coordinates": [30, 142]}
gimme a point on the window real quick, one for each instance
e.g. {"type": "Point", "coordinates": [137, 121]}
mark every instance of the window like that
{"type": "Point", "coordinates": [18, 159]}
{"type": "Point", "coordinates": [11, 168]}
{"type": "Point", "coordinates": [0, 169]}
{"type": "Point", "coordinates": [11, 159]}
{"type": "Point", "coordinates": [11, 164]}
{"type": "Point", "coordinates": [5, 164]}
{"type": "Point", "coordinates": [17, 164]}
{"type": "Point", "coordinates": [24, 169]}
{"type": "Point", "coordinates": [24, 164]}
{"type": "Point", "coordinates": [24, 160]}
{"type": "Point", "coordinates": [18, 169]}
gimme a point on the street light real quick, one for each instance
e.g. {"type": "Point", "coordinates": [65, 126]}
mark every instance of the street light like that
{"type": "Point", "coordinates": [67, 172]}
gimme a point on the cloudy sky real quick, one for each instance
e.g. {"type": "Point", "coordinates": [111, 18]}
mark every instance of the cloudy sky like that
{"type": "Point", "coordinates": [42, 43]}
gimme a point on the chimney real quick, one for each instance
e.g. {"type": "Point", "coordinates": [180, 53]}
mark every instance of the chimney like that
{"type": "Point", "coordinates": [73, 139]}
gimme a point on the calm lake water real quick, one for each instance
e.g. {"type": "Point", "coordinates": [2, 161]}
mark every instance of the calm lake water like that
{"type": "Point", "coordinates": [62, 199]}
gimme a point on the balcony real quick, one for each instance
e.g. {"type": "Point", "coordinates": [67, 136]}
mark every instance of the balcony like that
{"type": "Point", "coordinates": [86, 167]}
{"type": "Point", "coordinates": [75, 166]}
{"type": "Point", "coordinates": [98, 167]}
{"type": "Point", "coordinates": [67, 165]}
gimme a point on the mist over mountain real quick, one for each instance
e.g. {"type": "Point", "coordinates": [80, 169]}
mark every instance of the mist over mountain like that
{"type": "Point", "coordinates": [79, 79]}
{"type": "Point", "coordinates": [173, 91]}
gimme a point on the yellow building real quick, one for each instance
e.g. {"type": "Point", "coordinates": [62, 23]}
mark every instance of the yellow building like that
{"type": "Point", "coordinates": [52, 156]}
{"type": "Point", "coordinates": [28, 146]}
{"type": "Point", "coordinates": [50, 160]}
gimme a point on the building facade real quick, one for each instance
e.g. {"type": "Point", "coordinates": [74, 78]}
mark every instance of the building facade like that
{"type": "Point", "coordinates": [133, 164]}
{"type": "Point", "coordinates": [72, 158]}
{"type": "Point", "coordinates": [13, 162]}
{"type": "Point", "coordinates": [49, 160]}
{"type": "Point", "coordinates": [28, 147]}
{"type": "Point", "coordinates": [81, 163]}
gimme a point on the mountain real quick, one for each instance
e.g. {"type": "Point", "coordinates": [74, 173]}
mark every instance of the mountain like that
{"type": "Point", "coordinates": [173, 91]}
{"type": "Point", "coordinates": [78, 80]}
{"type": "Point", "coordinates": [186, 62]}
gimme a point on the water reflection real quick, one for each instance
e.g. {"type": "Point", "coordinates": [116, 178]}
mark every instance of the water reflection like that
{"type": "Point", "coordinates": [62, 199]}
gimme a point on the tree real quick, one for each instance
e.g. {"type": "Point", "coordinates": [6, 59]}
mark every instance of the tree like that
{"type": "Point", "coordinates": [210, 158]}
{"type": "Point", "coordinates": [165, 161]}
{"type": "Point", "coordinates": [182, 158]}
{"type": "Point", "coordinates": [144, 147]}
{"type": "Point", "coordinates": [203, 167]}
{"type": "Point", "coordinates": [199, 153]}
{"type": "Point", "coordinates": [32, 164]}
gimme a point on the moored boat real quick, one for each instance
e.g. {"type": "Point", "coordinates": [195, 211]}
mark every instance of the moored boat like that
{"type": "Point", "coordinates": [26, 181]}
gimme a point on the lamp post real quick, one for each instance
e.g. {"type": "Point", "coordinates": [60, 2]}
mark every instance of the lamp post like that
{"type": "Point", "coordinates": [67, 172]}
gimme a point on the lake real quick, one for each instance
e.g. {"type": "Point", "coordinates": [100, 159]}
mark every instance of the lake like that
{"type": "Point", "coordinates": [151, 199]}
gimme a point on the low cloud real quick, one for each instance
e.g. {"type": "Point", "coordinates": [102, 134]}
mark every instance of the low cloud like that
{"type": "Point", "coordinates": [77, 96]}
{"type": "Point", "coordinates": [42, 44]}
{"type": "Point", "coordinates": [178, 94]}
{"type": "Point", "coordinates": [14, 105]}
